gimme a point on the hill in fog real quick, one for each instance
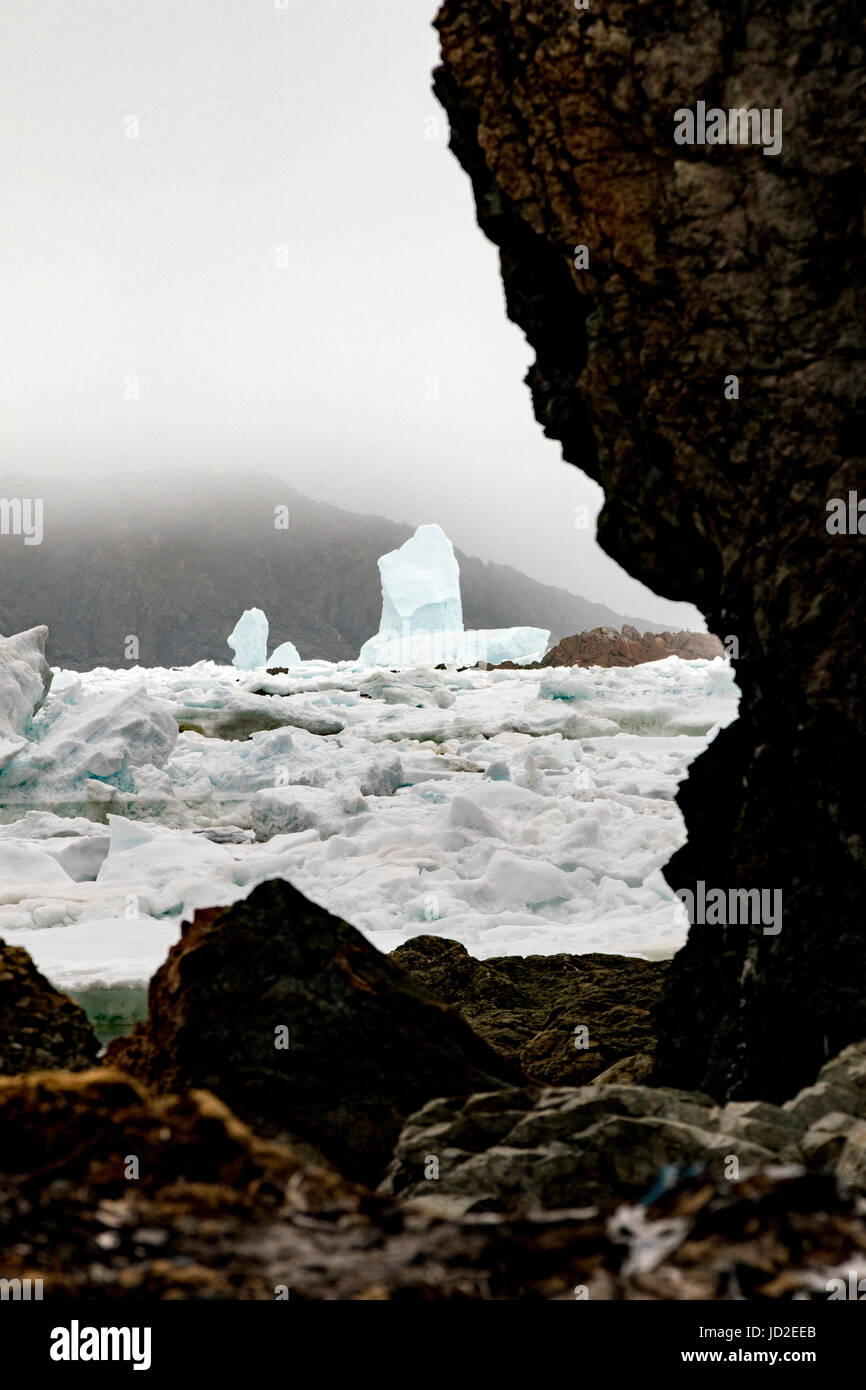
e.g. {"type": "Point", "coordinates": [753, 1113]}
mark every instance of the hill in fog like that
{"type": "Point", "coordinates": [177, 572]}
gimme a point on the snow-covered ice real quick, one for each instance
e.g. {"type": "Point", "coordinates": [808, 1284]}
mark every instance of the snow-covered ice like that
{"type": "Point", "coordinates": [25, 679]}
{"type": "Point", "coordinates": [422, 613]}
{"type": "Point", "coordinates": [514, 811]}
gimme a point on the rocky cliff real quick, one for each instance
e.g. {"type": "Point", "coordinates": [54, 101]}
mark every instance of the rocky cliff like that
{"type": "Point", "coordinates": [648, 275]}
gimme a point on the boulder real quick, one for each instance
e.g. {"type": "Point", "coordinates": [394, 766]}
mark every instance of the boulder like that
{"type": "Point", "coordinates": [306, 1030]}
{"type": "Point", "coordinates": [88, 1127]}
{"type": "Point", "coordinates": [823, 1142]}
{"type": "Point", "coordinates": [39, 1026]}
{"type": "Point", "coordinates": [544, 1148]}
{"type": "Point", "coordinates": [529, 1007]}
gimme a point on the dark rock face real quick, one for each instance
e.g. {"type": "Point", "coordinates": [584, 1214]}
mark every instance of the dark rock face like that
{"type": "Point", "coordinates": [366, 1044]}
{"type": "Point", "coordinates": [528, 1007]}
{"type": "Point", "coordinates": [604, 646]}
{"type": "Point", "coordinates": [706, 262]}
{"type": "Point", "coordinates": [39, 1026]}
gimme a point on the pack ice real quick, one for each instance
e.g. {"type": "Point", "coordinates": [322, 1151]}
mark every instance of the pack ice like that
{"type": "Point", "coordinates": [422, 613]}
{"type": "Point", "coordinates": [514, 811]}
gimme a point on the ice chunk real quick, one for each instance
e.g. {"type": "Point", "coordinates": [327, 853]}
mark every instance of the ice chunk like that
{"type": "Point", "coordinates": [286, 654]}
{"type": "Point", "coordinates": [27, 870]}
{"type": "Point", "coordinates": [287, 810]}
{"type": "Point", "coordinates": [107, 736]}
{"type": "Point", "coordinates": [25, 679]}
{"type": "Point", "coordinates": [421, 585]}
{"type": "Point", "coordinates": [249, 640]}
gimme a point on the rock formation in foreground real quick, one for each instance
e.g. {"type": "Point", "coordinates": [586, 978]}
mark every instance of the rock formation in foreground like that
{"type": "Point", "coordinates": [306, 1030]}
{"type": "Point", "coordinates": [209, 1211]}
{"type": "Point", "coordinates": [39, 1026]}
{"type": "Point", "coordinates": [647, 274]}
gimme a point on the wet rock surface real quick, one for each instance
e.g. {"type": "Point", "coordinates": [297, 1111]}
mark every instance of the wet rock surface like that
{"type": "Point", "coordinates": [703, 263]}
{"type": "Point", "coordinates": [305, 1029]}
{"type": "Point", "coordinates": [532, 1009]}
{"type": "Point", "coordinates": [39, 1026]}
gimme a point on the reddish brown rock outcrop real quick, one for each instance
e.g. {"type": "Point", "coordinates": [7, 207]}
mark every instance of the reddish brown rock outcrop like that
{"type": "Point", "coordinates": [39, 1026]}
{"type": "Point", "coordinates": [705, 263]}
{"type": "Point", "coordinates": [604, 646]}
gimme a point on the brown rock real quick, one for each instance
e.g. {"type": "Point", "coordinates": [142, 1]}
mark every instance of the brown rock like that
{"type": "Point", "coordinates": [39, 1026]}
{"type": "Point", "coordinates": [367, 1044]}
{"type": "Point", "coordinates": [629, 1071]}
{"type": "Point", "coordinates": [86, 1127]}
{"type": "Point", "coordinates": [604, 646]}
{"type": "Point", "coordinates": [529, 1007]}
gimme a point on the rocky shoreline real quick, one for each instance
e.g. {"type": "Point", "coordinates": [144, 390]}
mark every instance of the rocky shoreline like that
{"type": "Point", "coordinates": [302, 1116]}
{"type": "Point", "coordinates": [608, 646]}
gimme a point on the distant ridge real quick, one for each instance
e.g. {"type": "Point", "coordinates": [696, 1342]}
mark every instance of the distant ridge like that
{"type": "Point", "coordinates": [118, 561]}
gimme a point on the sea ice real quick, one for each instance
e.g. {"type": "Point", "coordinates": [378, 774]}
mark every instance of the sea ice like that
{"type": "Point", "coordinates": [514, 811]}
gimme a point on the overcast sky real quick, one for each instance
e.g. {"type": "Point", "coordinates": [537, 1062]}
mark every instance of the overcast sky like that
{"type": "Point", "coordinates": [229, 242]}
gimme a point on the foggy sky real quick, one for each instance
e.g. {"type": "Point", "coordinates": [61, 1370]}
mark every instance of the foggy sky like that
{"type": "Point", "coordinates": [233, 238]}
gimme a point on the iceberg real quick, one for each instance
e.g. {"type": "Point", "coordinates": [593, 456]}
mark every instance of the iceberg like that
{"type": "Point", "coordinates": [421, 585]}
{"type": "Point", "coordinates": [25, 679]}
{"type": "Point", "coordinates": [422, 613]}
{"type": "Point", "coordinates": [286, 654]}
{"type": "Point", "coordinates": [249, 640]}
